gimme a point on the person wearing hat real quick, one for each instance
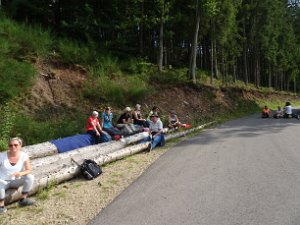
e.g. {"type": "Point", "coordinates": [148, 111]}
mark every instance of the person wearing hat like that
{"type": "Point", "coordinates": [137, 117]}
{"type": "Point", "coordinates": [156, 132]}
{"type": "Point", "coordinates": [125, 123]}
{"type": "Point", "coordinates": [93, 128]}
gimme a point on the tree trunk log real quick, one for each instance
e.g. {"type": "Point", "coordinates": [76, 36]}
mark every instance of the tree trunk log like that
{"type": "Point", "coordinates": [60, 167]}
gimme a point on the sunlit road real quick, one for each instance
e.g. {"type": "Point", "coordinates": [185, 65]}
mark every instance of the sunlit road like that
{"type": "Point", "coordinates": [243, 172]}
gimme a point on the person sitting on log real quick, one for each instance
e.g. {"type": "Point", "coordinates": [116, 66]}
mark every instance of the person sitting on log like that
{"type": "Point", "coordinates": [174, 122]}
{"type": "Point", "coordinates": [15, 171]}
{"type": "Point", "coordinates": [107, 125]}
{"type": "Point", "coordinates": [125, 123]}
{"type": "Point", "coordinates": [93, 128]}
{"type": "Point", "coordinates": [266, 112]}
{"type": "Point", "coordinates": [156, 135]}
{"type": "Point", "coordinates": [137, 117]}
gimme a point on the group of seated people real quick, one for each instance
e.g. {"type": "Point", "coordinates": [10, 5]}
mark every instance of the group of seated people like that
{"type": "Point", "coordinates": [286, 112]}
{"type": "Point", "coordinates": [129, 122]}
{"type": "Point", "coordinates": [15, 167]}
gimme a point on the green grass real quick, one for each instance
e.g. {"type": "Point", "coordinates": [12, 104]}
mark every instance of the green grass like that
{"type": "Point", "coordinates": [43, 193]}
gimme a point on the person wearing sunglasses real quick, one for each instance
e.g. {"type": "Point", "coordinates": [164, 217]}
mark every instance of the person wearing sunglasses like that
{"type": "Point", "coordinates": [15, 171]}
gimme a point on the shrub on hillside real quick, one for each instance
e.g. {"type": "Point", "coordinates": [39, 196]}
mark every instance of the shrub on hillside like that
{"type": "Point", "coordinates": [15, 78]}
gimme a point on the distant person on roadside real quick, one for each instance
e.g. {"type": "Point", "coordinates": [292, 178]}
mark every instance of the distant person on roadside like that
{"type": "Point", "coordinates": [125, 123]}
{"type": "Point", "coordinates": [93, 128]}
{"type": "Point", "coordinates": [15, 171]}
{"type": "Point", "coordinates": [266, 112]}
{"type": "Point", "coordinates": [278, 113]}
{"type": "Point", "coordinates": [156, 132]}
{"type": "Point", "coordinates": [138, 118]}
{"type": "Point", "coordinates": [107, 124]}
{"type": "Point", "coordinates": [288, 111]}
{"type": "Point", "coordinates": [174, 121]}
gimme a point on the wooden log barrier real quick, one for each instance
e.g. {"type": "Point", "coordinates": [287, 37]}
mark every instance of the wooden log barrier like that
{"type": "Point", "coordinates": [60, 167]}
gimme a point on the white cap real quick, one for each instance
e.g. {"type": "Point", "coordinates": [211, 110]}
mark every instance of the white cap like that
{"type": "Point", "coordinates": [95, 113]}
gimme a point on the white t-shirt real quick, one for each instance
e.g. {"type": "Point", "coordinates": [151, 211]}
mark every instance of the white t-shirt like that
{"type": "Point", "coordinates": [288, 109]}
{"type": "Point", "coordinates": [6, 169]}
{"type": "Point", "coordinates": [155, 127]}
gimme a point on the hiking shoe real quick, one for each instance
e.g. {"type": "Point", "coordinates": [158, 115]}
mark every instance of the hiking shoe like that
{"type": "Point", "coordinates": [149, 148]}
{"type": "Point", "coordinates": [25, 202]}
{"type": "Point", "coordinates": [3, 210]}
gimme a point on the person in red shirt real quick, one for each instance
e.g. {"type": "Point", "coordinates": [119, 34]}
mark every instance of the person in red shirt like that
{"type": "Point", "coordinates": [93, 126]}
{"type": "Point", "coordinates": [266, 112]}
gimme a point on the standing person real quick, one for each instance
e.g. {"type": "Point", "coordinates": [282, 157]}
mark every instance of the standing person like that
{"type": "Point", "coordinates": [125, 123]}
{"type": "Point", "coordinates": [138, 118]}
{"type": "Point", "coordinates": [156, 132]}
{"type": "Point", "coordinates": [93, 128]}
{"type": "Point", "coordinates": [15, 171]}
{"type": "Point", "coordinates": [107, 125]}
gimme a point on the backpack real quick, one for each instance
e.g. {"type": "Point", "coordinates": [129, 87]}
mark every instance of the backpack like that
{"type": "Point", "coordinates": [90, 169]}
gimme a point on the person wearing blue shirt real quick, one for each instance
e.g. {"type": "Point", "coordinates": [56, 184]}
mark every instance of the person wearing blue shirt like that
{"type": "Point", "coordinates": [107, 125]}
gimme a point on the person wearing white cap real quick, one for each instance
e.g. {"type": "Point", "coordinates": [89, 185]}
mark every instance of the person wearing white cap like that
{"type": "Point", "coordinates": [93, 127]}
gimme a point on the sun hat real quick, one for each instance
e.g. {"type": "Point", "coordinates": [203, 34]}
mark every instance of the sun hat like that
{"type": "Point", "coordinates": [127, 109]}
{"type": "Point", "coordinates": [154, 115]}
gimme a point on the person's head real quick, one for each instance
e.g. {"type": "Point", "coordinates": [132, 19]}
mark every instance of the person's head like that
{"type": "Point", "coordinates": [154, 117]}
{"type": "Point", "coordinates": [266, 107]}
{"type": "Point", "coordinates": [15, 144]}
{"type": "Point", "coordinates": [127, 110]}
{"type": "Point", "coordinates": [287, 103]}
{"type": "Point", "coordinates": [95, 114]}
{"type": "Point", "coordinates": [279, 108]}
{"type": "Point", "coordinates": [107, 109]}
{"type": "Point", "coordinates": [155, 109]}
{"type": "Point", "coordinates": [172, 112]}
{"type": "Point", "coordinates": [138, 107]}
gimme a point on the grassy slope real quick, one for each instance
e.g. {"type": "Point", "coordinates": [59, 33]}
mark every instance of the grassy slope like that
{"type": "Point", "coordinates": [31, 56]}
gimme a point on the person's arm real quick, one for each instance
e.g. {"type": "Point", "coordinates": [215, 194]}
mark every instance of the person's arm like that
{"type": "Point", "coordinates": [160, 130]}
{"type": "Point", "coordinates": [27, 170]}
{"type": "Point", "coordinates": [99, 128]}
{"type": "Point", "coordinates": [102, 121]}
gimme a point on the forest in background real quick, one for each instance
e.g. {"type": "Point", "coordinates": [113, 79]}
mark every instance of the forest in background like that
{"type": "Point", "coordinates": [253, 41]}
{"type": "Point", "coordinates": [59, 60]}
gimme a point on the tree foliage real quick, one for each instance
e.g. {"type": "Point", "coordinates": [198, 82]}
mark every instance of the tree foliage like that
{"type": "Point", "coordinates": [253, 41]}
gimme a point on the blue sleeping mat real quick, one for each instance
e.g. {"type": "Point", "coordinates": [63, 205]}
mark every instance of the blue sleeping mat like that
{"type": "Point", "coordinates": [73, 142]}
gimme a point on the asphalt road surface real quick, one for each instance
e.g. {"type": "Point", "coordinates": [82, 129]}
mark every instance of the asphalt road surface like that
{"type": "Point", "coordinates": [243, 172]}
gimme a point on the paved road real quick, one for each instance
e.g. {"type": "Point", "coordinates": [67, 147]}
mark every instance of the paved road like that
{"type": "Point", "coordinates": [244, 172]}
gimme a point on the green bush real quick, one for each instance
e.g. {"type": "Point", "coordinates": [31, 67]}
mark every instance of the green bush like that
{"type": "Point", "coordinates": [74, 52]}
{"type": "Point", "coordinates": [15, 78]}
{"type": "Point", "coordinates": [18, 40]}
{"type": "Point", "coordinates": [35, 131]}
{"type": "Point", "coordinates": [121, 91]}
{"type": "Point", "coordinates": [7, 121]}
